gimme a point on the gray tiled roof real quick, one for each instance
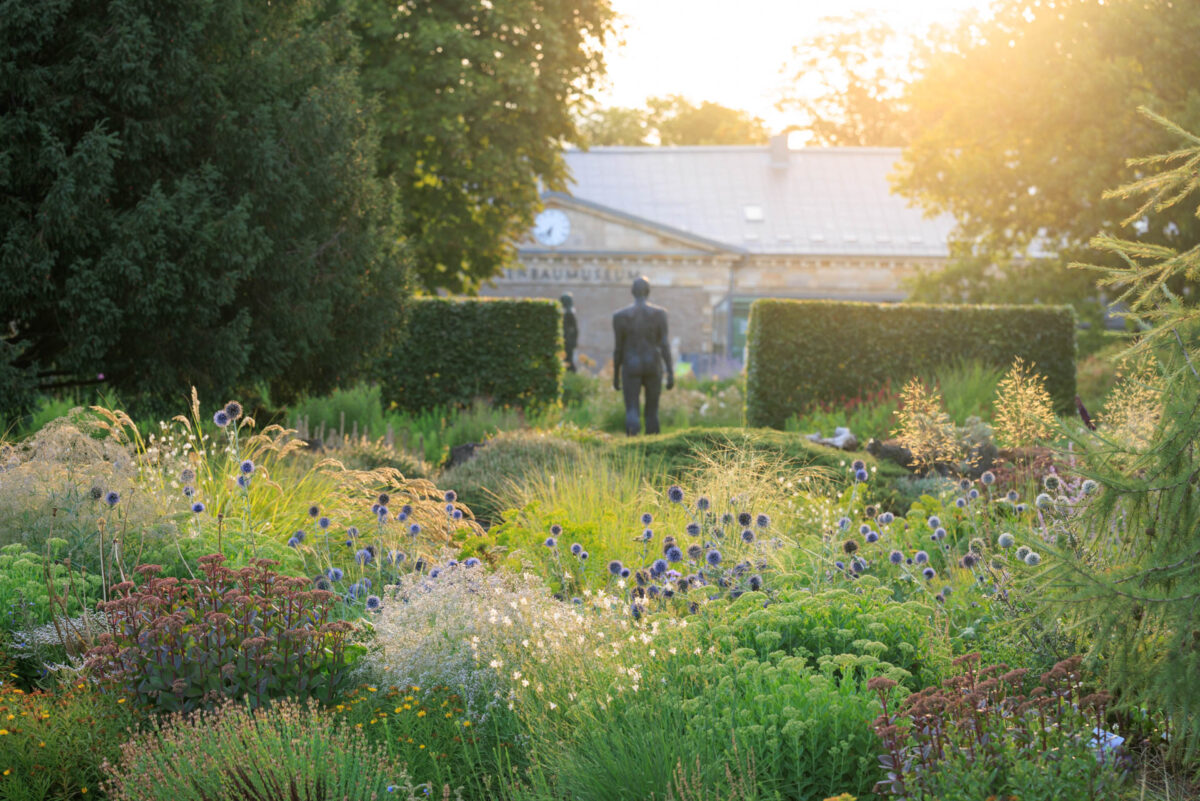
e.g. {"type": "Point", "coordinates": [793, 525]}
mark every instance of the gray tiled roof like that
{"type": "Point", "coordinates": [826, 201]}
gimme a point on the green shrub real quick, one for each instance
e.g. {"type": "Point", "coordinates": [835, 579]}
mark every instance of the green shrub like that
{"type": "Point", "coordinates": [804, 353]}
{"type": "Point", "coordinates": [289, 751]}
{"type": "Point", "coordinates": [450, 352]}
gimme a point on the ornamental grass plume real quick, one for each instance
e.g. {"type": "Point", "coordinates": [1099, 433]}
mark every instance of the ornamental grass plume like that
{"type": "Point", "coordinates": [289, 751]}
{"type": "Point", "coordinates": [1133, 409]}
{"type": "Point", "coordinates": [1024, 411]}
{"type": "Point", "coordinates": [925, 428]}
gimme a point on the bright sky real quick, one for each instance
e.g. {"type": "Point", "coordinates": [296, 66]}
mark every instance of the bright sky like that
{"type": "Point", "coordinates": [731, 51]}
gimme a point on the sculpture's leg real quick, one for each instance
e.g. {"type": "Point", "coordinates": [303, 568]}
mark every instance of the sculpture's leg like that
{"type": "Point", "coordinates": [630, 386]}
{"type": "Point", "coordinates": [653, 390]}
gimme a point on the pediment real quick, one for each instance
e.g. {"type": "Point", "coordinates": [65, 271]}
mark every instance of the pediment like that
{"type": "Point", "coordinates": [597, 229]}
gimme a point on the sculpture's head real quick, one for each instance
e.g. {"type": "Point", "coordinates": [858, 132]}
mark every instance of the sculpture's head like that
{"type": "Point", "coordinates": [566, 300]}
{"type": "Point", "coordinates": [641, 287]}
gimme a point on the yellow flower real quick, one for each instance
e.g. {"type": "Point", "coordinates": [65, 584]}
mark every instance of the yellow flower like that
{"type": "Point", "coordinates": [371, 689]}
{"type": "Point", "coordinates": [42, 744]}
{"type": "Point", "coordinates": [84, 791]}
{"type": "Point", "coordinates": [3, 732]}
{"type": "Point", "coordinates": [7, 771]}
{"type": "Point", "coordinates": [420, 714]}
{"type": "Point", "coordinates": [466, 723]}
{"type": "Point", "coordinates": [119, 701]}
{"type": "Point", "coordinates": [449, 714]}
{"type": "Point", "coordinates": [421, 746]}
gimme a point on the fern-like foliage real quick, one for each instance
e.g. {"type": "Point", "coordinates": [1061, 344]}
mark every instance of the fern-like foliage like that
{"type": "Point", "coordinates": [1134, 579]}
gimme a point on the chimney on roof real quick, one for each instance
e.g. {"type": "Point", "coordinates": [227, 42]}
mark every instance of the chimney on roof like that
{"type": "Point", "coordinates": [779, 151]}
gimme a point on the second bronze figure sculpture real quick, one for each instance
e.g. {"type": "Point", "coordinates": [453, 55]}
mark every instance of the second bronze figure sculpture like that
{"type": "Point", "coordinates": [641, 357]}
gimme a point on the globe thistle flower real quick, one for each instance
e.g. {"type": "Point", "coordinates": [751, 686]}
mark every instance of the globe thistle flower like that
{"type": "Point", "coordinates": [863, 529]}
{"type": "Point", "coordinates": [247, 467]}
{"type": "Point", "coordinates": [858, 464]}
{"type": "Point", "coordinates": [858, 565]}
{"type": "Point", "coordinates": [964, 484]}
{"type": "Point", "coordinates": [471, 562]}
{"type": "Point", "coordinates": [727, 519]}
{"type": "Point", "coordinates": [762, 521]}
{"type": "Point", "coordinates": [352, 532]}
{"type": "Point", "coordinates": [975, 545]}
{"type": "Point", "coordinates": [576, 549]}
{"type": "Point", "coordinates": [895, 557]}
{"type": "Point", "coordinates": [839, 565]}
{"type": "Point", "coordinates": [658, 567]}
{"type": "Point", "coordinates": [449, 508]}
{"type": "Point", "coordinates": [615, 567]}
{"type": "Point", "coordinates": [693, 529]}
{"type": "Point", "coordinates": [695, 551]}
{"type": "Point", "coordinates": [702, 503]}
{"type": "Point", "coordinates": [647, 518]}
{"type": "Point", "coordinates": [322, 583]}
{"type": "Point", "coordinates": [973, 494]}
{"type": "Point", "coordinates": [187, 475]}
{"type": "Point", "coordinates": [667, 542]}
{"type": "Point", "coordinates": [744, 519]}
{"type": "Point", "coordinates": [293, 543]}
{"type": "Point", "coordinates": [383, 499]}
{"type": "Point", "coordinates": [314, 510]}
{"type": "Point", "coordinates": [96, 492]}
{"type": "Point", "coordinates": [872, 536]}
{"type": "Point", "coordinates": [747, 536]}
{"type": "Point", "coordinates": [756, 582]}
{"type": "Point", "coordinates": [414, 529]}
{"type": "Point", "coordinates": [450, 495]}
{"type": "Point", "coordinates": [456, 514]}
{"type": "Point", "coordinates": [396, 557]}
{"type": "Point", "coordinates": [243, 482]}
{"type": "Point", "coordinates": [189, 491]}
{"type": "Point", "coordinates": [934, 521]}
{"type": "Point", "coordinates": [1032, 559]}
{"type": "Point", "coordinates": [1051, 482]}
{"type": "Point", "coordinates": [335, 574]}
{"type": "Point", "coordinates": [1005, 540]}
{"type": "Point", "coordinates": [112, 497]}
{"type": "Point", "coordinates": [675, 494]}
{"type": "Point", "coordinates": [674, 554]}
{"type": "Point", "coordinates": [1043, 501]}
{"type": "Point", "coordinates": [1023, 551]}
{"type": "Point", "coordinates": [861, 474]}
{"type": "Point", "coordinates": [968, 560]}
{"type": "Point", "coordinates": [850, 546]}
{"type": "Point", "coordinates": [647, 535]}
{"type": "Point", "coordinates": [583, 557]}
{"type": "Point", "coordinates": [961, 503]}
{"type": "Point", "coordinates": [939, 533]}
{"type": "Point", "coordinates": [406, 510]}
{"type": "Point", "coordinates": [323, 522]}
{"type": "Point", "coordinates": [233, 409]}
{"type": "Point", "coordinates": [437, 571]}
{"type": "Point", "coordinates": [197, 507]}
{"type": "Point", "coordinates": [988, 478]}
{"type": "Point", "coordinates": [1012, 496]}
{"type": "Point", "coordinates": [363, 556]}
{"type": "Point", "coordinates": [221, 418]}
{"type": "Point", "coordinates": [373, 602]}
{"type": "Point", "coordinates": [635, 611]}
{"type": "Point", "coordinates": [921, 557]}
{"type": "Point", "coordinates": [941, 599]}
{"type": "Point", "coordinates": [929, 573]}
{"type": "Point", "coordinates": [713, 557]}
{"type": "Point", "coordinates": [1021, 508]}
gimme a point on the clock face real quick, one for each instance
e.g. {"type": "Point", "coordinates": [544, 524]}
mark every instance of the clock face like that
{"type": "Point", "coordinates": [551, 228]}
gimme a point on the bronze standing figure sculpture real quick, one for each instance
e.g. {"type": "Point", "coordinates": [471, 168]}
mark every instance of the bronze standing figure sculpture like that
{"type": "Point", "coordinates": [641, 356]}
{"type": "Point", "coordinates": [570, 329]}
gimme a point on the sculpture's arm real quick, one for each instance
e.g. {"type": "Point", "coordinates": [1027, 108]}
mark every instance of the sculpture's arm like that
{"type": "Point", "coordinates": [664, 348]}
{"type": "Point", "coordinates": [618, 351]}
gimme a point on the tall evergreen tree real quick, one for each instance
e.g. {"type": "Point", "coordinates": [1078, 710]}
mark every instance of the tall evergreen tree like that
{"type": "Point", "coordinates": [1133, 575]}
{"type": "Point", "coordinates": [188, 196]}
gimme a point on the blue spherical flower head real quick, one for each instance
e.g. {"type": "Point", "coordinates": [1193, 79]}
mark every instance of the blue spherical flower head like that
{"type": "Point", "coordinates": [366, 582]}
{"type": "Point", "coordinates": [872, 536]}
{"type": "Point", "coordinates": [247, 467]}
{"type": "Point", "coordinates": [674, 554]}
{"type": "Point", "coordinates": [939, 533]}
{"type": "Point", "coordinates": [964, 484]}
{"type": "Point", "coordinates": [1032, 559]}
{"type": "Point", "coordinates": [187, 475]}
{"type": "Point", "coordinates": [435, 572]}
{"type": "Point", "coordinates": [762, 521]}
{"type": "Point", "coordinates": [988, 478]}
{"type": "Point", "coordinates": [299, 535]}
{"type": "Point", "coordinates": [615, 567]}
{"type": "Point", "coordinates": [373, 602]}
{"type": "Point", "coordinates": [839, 565]}
{"type": "Point", "coordinates": [843, 523]}
{"type": "Point", "coordinates": [471, 562]}
{"type": "Point", "coordinates": [756, 582]}
{"type": "Point", "coordinates": [576, 548]}
{"type": "Point", "coordinates": [374, 508]}
{"type": "Point", "coordinates": [314, 510]}
{"type": "Point", "coordinates": [858, 464]}
{"type": "Point", "coordinates": [353, 591]}
{"type": "Point", "coordinates": [407, 509]}
{"type": "Point", "coordinates": [383, 499]}
{"type": "Point", "coordinates": [197, 507]}
{"type": "Point", "coordinates": [363, 556]}
{"type": "Point", "coordinates": [921, 557]}
{"type": "Point", "coordinates": [703, 504]}
{"type": "Point", "coordinates": [449, 508]}
{"type": "Point", "coordinates": [322, 583]}
{"type": "Point", "coordinates": [961, 503]}
{"type": "Point", "coordinates": [861, 474]}
{"type": "Point", "coordinates": [243, 482]}
{"type": "Point", "coordinates": [583, 556]}
{"type": "Point", "coordinates": [626, 572]}
{"type": "Point", "coordinates": [727, 519]}
{"type": "Point", "coordinates": [323, 522]}
{"type": "Point", "coordinates": [189, 492]}
{"type": "Point", "coordinates": [744, 519]}
{"type": "Point", "coordinates": [352, 532]}
{"type": "Point", "coordinates": [934, 521]}
{"type": "Point", "coordinates": [658, 567]}
{"type": "Point", "coordinates": [713, 557]}
{"type": "Point", "coordinates": [863, 529]}
{"type": "Point", "coordinates": [747, 536]}
{"type": "Point", "coordinates": [929, 573]}
{"type": "Point", "coordinates": [647, 535]}
{"type": "Point", "coordinates": [382, 514]}
{"type": "Point", "coordinates": [895, 557]}
{"type": "Point", "coordinates": [233, 409]}
{"type": "Point", "coordinates": [221, 418]}
{"type": "Point", "coordinates": [858, 565]}
{"type": "Point", "coordinates": [675, 494]}
{"type": "Point", "coordinates": [335, 574]}
{"type": "Point", "coordinates": [112, 498]}
{"type": "Point", "coordinates": [414, 529]}
{"type": "Point", "coordinates": [456, 515]}
{"type": "Point", "coordinates": [556, 530]}
{"type": "Point", "coordinates": [451, 496]}
{"type": "Point", "coordinates": [1006, 540]}
{"type": "Point", "coordinates": [973, 494]}
{"type": "Point", "coordinates": [396, 557]}
{"type": "Point", "coordinates": [550, 542]}
{"type": "Point", "coordinates": [647, 518]}
{"type": "Point", "coordinates": [293, 543]}
{"type": "Point", "coordinates": [693, 529]}
{"type": "Point", "coordinates": [1013, 496]}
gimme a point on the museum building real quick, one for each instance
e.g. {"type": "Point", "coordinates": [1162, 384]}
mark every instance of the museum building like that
{"type": "Point", "coordinates": [715, 228]}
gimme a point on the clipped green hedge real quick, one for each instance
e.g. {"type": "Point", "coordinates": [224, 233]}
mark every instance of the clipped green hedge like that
{"type": "Point", "coordinates": [451, 351]}
{"type": "Point", "coordinates": [804, 353]}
